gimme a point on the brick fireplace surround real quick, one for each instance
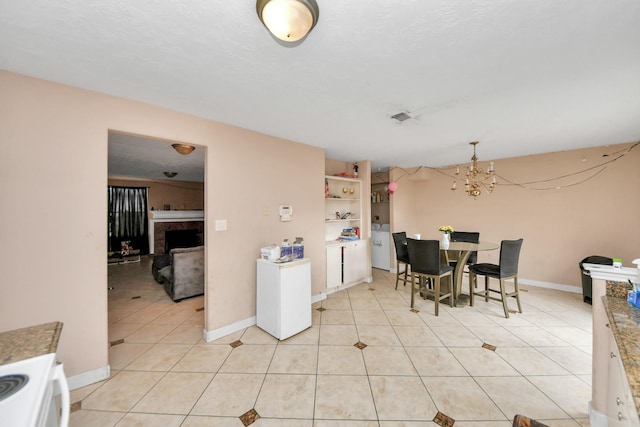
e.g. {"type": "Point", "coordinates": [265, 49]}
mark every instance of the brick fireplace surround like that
{"type": "Point", "coordinates": [162, 221]}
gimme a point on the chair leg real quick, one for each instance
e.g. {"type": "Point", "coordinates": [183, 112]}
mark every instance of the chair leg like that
{"type": "Point", "coordinates": [515, 283]}
{"type": "Point", "coordinates": [398, 273]}
{"type": "Point", "coordinates": [486, 288]}
{"type": "Point", "coordinates": [436, 297]}
{"type": "Point", "coordinates": [413, 288]}
{"type": "Point", "coordinates": [451, 296]}
{"type": "Point", "coordinates": [504, 298]}
{"type": "Point", "coordinates": [472, 279]}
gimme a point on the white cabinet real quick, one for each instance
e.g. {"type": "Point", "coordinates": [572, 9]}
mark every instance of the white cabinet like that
{"type": "Point", "coordinates": [355, 261]}
{"type": "Point", "coordinates": [334, 265]}
{"type": "Point", "coordinates": [283, 297]}
{"type": "Point", "coordinates": [621, 410]}
{"type": "Point", "coordinates": [347, 263]}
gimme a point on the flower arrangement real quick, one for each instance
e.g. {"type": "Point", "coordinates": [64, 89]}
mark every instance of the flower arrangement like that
{"type": "Point", "coordinates": [446, 229]}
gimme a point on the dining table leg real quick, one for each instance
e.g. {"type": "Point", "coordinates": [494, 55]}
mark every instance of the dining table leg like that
{"type": "Point", "coordinates": [459, 299]}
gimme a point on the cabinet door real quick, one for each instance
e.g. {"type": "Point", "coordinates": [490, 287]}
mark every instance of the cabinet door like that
{"type": "Point", "coordinates": [355, 261]}
{"type": "Point", "coordinates": [334, 266]}
{"type": "Point", "coordinates": [361, 258]}
{"type": "Point", "coordinates": [621, 410]}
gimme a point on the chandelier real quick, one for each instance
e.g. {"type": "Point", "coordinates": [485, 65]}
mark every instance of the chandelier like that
{"type": "Point", "coordinates": [476, 178]}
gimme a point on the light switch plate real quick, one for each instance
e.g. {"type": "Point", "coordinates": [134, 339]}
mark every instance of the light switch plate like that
{"type": "Point", "coordinates": [221, 224]}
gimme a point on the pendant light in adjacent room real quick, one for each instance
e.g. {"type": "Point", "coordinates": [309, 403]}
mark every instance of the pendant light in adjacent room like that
{"type": "Point", "coordinates": [183, 148]}
{"type": "Point", "coordinates": [288, 20]}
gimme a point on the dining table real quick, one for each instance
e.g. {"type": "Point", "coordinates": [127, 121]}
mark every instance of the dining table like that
{"type": "Point", "coordinates": [460, 252]}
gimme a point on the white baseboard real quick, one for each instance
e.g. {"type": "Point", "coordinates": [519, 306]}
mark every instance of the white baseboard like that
{"type": "Point", "coordinates": [89, 377]}
{"type": "Point", "coordinates": [319, 297]}
{"type": "Point", "coordinates": [597, 419]}
{"type": "Point", "coordinates": [550, 285]}
{"type": "Point", "coordinates": [209, 336]}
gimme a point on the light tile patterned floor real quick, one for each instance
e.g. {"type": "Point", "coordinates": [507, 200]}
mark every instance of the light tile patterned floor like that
{"type": "Point", "coordinates": [412, 365]}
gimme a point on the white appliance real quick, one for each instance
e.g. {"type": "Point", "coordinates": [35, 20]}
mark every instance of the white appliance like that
{"type": "Point", "coordinates": [28, 388]}
{"type": "Point", "coordinates": [283, 298]}
{"type": "Point", "coordinates": [270, 253]}
{"type": "Point", "coordinates": [380, 254]}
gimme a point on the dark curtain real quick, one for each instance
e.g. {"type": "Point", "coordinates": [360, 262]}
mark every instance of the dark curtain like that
{"type": "Point", "coordinates": [128, 218]}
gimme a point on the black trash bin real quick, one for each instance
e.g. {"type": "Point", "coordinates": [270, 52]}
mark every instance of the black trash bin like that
{"type": "Point", "coordinates": [586, 276]}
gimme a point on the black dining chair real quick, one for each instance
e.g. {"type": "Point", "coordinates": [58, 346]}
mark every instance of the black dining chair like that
{"type": "Point", "coordinates": [402, 257]}
{"type": "Point", "coordinates": [426, 267]}
{"type": "Point", "coordinates": [469, 237]}
{"type": "Point", "coordinates": [506, 270]}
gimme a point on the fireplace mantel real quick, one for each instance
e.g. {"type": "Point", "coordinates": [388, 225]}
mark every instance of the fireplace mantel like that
{"type": "Point", "coordinates": [176, 215]}
{"type": "Point", "coordinates": [170, 216]}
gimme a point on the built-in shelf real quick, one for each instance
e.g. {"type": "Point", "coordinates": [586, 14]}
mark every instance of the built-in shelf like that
{"type": "Point", "coordinates": [342, 197]}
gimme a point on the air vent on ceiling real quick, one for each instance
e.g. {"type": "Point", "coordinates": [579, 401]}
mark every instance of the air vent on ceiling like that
{"type": "Point", "coordinates": [401, 117]}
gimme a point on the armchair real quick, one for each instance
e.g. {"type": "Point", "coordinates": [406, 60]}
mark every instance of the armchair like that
{"type": "Point", "coordinates": [184, 276]}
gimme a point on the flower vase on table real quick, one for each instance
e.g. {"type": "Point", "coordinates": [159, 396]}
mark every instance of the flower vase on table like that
{"type": "Point", "coordinates": [445, 241]}
{"type": "Point", "coordinates": [446, 232]}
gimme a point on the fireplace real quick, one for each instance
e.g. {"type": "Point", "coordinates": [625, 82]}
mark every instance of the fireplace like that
{"type": "Point", "coordinates": [161, 222]}
{"type": "Point", "coordinates": [182, 239]}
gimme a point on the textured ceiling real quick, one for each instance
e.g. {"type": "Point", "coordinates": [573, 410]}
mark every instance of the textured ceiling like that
{"type": "Point", "coordinates": [520, 76]}
{"type": "Point", "coordinates": [136, 156]}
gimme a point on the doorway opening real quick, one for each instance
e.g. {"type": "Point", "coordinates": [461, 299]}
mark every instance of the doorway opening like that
{"type": "Point", "coordinates": [141, 310]}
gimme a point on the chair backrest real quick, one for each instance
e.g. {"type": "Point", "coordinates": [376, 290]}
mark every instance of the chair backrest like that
{"type": "Point", "coordinates": [509, 255]}
{"type": "Point", "coordinates": [470, 237]}
{"type": "Point", "coordinates": [424, 256]}
{"type": "Point", "coordinates": [399, 240]}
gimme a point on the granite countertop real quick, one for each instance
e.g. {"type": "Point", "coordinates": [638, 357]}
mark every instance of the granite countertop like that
{"type": "Point", "coordinates": [29, 342]}
{"type": "Point", "coordinates": [624, 321]}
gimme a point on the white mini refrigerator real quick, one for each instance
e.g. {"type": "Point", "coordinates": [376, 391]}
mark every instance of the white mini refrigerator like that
{"type": "Point", "coordinates": [283, 298]}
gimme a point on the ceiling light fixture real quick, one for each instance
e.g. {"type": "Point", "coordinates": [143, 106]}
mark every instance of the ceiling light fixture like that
{"type": "Point", "coordinates": [183, 148]}
{"type": "Point", "coordinates": [288, 20]}
{"type": "Point", "coordinates": [475, 177]}
{"type": "Point", "coordinates": [170, 174]}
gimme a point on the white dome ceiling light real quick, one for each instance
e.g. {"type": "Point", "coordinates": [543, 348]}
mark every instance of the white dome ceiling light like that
{"type": "Point", "coordinates": [288, 20]}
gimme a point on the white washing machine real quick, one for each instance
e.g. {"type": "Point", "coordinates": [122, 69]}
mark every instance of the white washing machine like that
{"type": "Point", "coordinates": [380, 249]}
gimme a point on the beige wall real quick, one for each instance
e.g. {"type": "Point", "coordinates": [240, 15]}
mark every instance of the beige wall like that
{"type": "Point", "coordinates": [560, 227]}
{"type": "Point", "coordinates": [180, 195]}
{"type": "Point", "coordinates": [53, 176]}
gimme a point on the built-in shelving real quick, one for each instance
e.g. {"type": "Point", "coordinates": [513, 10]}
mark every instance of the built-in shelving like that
{"type": "Point", "coordinates": [342, 197]}
{"type": "Point", "coordinates": [380, 203]}
{"type": "Point", "coordinates": [346, 259]}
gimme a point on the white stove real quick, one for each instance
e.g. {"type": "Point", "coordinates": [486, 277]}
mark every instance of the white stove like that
{"type": "Point", "coordinates": [27, 391]}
